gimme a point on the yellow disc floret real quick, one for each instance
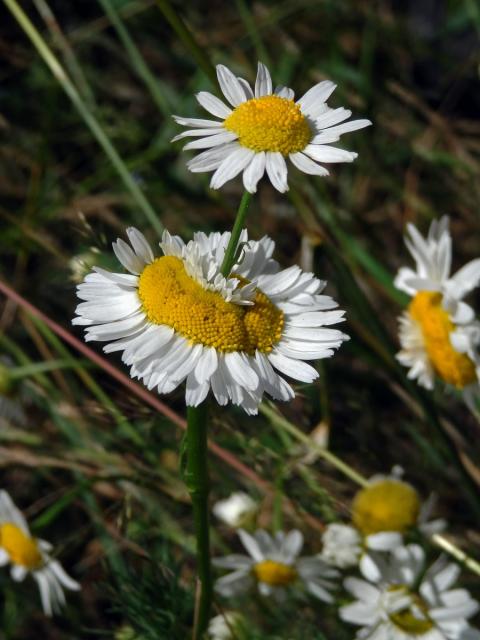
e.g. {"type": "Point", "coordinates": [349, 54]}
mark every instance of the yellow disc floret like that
{"type": "Point", "coordinates": [409, 622]}
{"type": "Point", "coordinates": [171, 297]}
{"type": "Point", "coordinates": [22, 549]}
{"type": "Point", "coordinates": [270, 123]}
{"type": "Point", "coordinates": [453, 367]}
{"type": "Point", "coordinates": [274, 573]}
{"type": "Point", "coordinates": [385, 505]}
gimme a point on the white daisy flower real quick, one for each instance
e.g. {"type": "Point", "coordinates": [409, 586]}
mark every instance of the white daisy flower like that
{"type": "Point", "coordinates": [177, 318]}
{"type": "Point", "coordinates": [342, 545]}
{"type": "Point", "coordinates": [438, 333]}
{"type": "Point", "coordinates": [26, 555]}
{"type": "Point", "coordinates": [263, 129]}
{"type": "Point", "coordinates": [390, 605]}
{"type": "Point", "coordinates": [273, 564]}
{"type": "Point", "coordinates": [238, 510]}
{"type": "Point", "coordinates": [226, 626]}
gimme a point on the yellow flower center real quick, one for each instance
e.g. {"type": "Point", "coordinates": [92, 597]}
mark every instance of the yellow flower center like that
{"type": "Point", "coordinates": [22, 549]}
{"type": "Point", "coordinates": [270, 123]}
{"type": "Point", "coordinates": [171, 297]}
{"type": "Point", "coordinates": [274, 573]}
{"type": "Point", "coordinates": [453, 367]}
{"type": "Point", "coordinates": [386, 505]}
{"type": "Point", "coordinates": [407, 620]}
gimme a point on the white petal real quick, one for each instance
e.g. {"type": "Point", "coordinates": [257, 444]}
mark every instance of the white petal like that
{"type": "Point", "coordinates": [230, 86]}
{"type": "Point", "coordinates": [466, 278]}
{"type": "Point", "coordinates": [231, 167]}
{"type": "Point", "coordinates": [277, 170]}
{"type": "Point", "coordinates": [251, 545]}
{"type": "Point", "coordinates": [315, 97]}
{"type": "Point", "coordinates": [18, 572]}
{"type": "Point", "coordinates": [323, 153]}
{"type": "Point", "coordinates": [384, 541]}
{"type": "Point", "coordinates": [195, 392]}
{"type": "Point", "coordinates": [140, 245]}
{"type": "Point", "coordinates": [293, 368]}
{"type": "Point", "coordinates": [207, 365]}
{"type": "Point", "coordinates": [305, 164]}
{"type": "Point", "coordinates": [254, 172]}
{"type": "Point", "coordinates": [213, 105]}
{"type": "Point", "coordinates": [212, 158]}
{"type": "Point", "coordinates": [197, 122]}
{"type": "Point", "coordinates": [127, 257]}
{"type": "Point", "coordinates": [211, 141]}
{"type": "Point", "coordinates": [198, 133]}
{"type": "Point", "coordinates": [284, 92]}
{"type": "Point", "coordinates": [263, 83]}
{"type": "Point", "coordinates": [241, 371]}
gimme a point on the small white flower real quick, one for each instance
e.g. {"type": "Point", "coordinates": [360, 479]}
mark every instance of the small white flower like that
{"type": "Point", "coordinates": [342, 545]}
{"type": "Point", "coordinates": [389, 606]}
{"type": "Point", "coordinates": [273, 564]}
{"type": "Point", "coordinates": [26, 555]}
{"type": "Point", "coordinates": [439, 335]}
{"type": "Point", "coordinates": [176, 318]}
{"type": "Point", "coordinates": [237, 510]}
{"type": "Point", "coordinates": [225, 626]}
{"type": "Point", "coordinates": [264, 128]}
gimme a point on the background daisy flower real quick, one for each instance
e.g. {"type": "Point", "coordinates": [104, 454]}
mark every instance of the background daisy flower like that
{"type": "Point", "coordinates": [27, 555]}
{"type": "Point", "coordinates": [438, 333]}
{"type": "Point", "coordinates": [177, 318]}
{"type": "Point", "coordinates": [273, 565]}
{"type": "Point", "coordinates": [238, 510]}
{"type": "Point", "coordinates": [264, 128]}
{"type": "Point", "coordinates": [390, 606]}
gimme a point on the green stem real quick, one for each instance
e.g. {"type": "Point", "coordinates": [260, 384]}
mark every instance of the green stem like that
{"type": "Point", "coordinates": [196, 479]}
{"type": "Point", "coordinates": [61, 76]}
{"type": "Point", "coordinates": [231, 250]}
{"type": "Point", "coordinates": [186, 36]}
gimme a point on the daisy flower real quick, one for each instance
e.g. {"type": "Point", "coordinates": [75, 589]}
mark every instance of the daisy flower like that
{"type": "Point", "coordinates": [226, 626]}
{"type": "Point", "coordinates": [438, 333]}
{"type": "Point", "coordinates": [273, 564]}
{"type": "Point", "coordinates": [390, 605]}
{"type": "Point", "coordinates": [177, 318]}
{"type": "Point", "coordinates": [238, 510]}
{"type": "Point", "coordinates": [263, 129]}
{"type": "Point", "coordinates": [382, 512]}
{"type": "Point", "coordinates": [26, 555]}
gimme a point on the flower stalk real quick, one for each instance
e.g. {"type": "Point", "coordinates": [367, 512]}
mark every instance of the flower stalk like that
{"type": "Point", "coordinates": [196, 479]}
{"type": "Point", "coordinates": [231, 250]}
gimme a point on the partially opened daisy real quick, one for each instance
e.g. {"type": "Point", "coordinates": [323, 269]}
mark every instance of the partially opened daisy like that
{"type": "Point", "coordinates": [438, 333]}
{"type": "Point", "coordinates": [263, 127]}
{"type": "Point", "coordinates": [391, 605]}
{"type": "Point", "coordinates": [177, 318]}
{"type": "Point", "coordinates": [27, 554]}
{"type": "Point", "coordinates": [273, 565]}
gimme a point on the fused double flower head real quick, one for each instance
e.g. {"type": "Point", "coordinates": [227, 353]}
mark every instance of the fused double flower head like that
{"type": "Point", "coordinates": [177, 318]}
{"type": "Point", "coordinates": [260, 128]}
{"type": "Point", "coordinates": [28, 555]}
{"type": "Point", "coordinates": [272, 565]}
{"type": "Point", "coordinates": [439, 334]}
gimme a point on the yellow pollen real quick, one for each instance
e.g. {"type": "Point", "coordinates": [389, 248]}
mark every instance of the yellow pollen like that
{"type": "Point", "coordinates": [386, 505]}
{"type": "Point", "coordinates": [171, 297]}
{"type": "Point", "coordinates": [274, 573]}
{"type": "Point", "coordinates": [410, 622]}
{"type": "Point", "coordinates": [22, 549]}
{"type": "Point", "coordinates": [453, 367]}
{"type": "Point", "coordinates": [270, 123]}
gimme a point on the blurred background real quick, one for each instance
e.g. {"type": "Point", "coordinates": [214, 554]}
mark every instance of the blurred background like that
{"type": "Point", "coordinates": [94, 467]}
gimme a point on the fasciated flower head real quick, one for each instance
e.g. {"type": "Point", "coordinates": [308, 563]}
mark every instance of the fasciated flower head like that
{"type": "Point", "coordinates": [439, 335]}
{"type": "Point", "coordinates": [264, 128]}
{"type": "Point", "coordinates": [177, 318]}
{"type": "Point", "coordinates": [273, 565]}
{"type": "Point", "coordinates": [27, 554]}
{"type": "Point", "coordinates": [390, 605]}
